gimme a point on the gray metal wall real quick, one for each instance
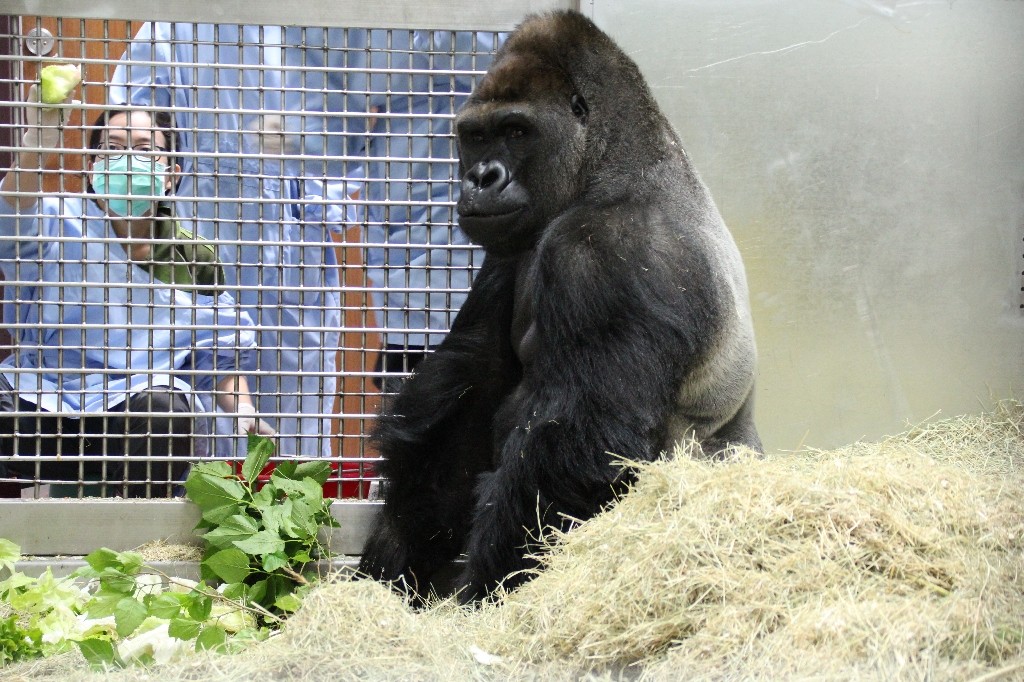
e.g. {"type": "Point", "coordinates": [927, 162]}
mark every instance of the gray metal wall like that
{"type": "Point", "coordinates": [869, 158]}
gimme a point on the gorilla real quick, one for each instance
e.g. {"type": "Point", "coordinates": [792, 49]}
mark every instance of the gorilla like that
{"type": "Point", "coordinates": [610, 319]}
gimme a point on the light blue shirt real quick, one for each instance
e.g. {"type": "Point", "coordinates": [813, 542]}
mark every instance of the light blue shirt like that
{"type": "Point", "coordinates": [421, 265]}
{"type": "Point", "coordinates": [91, 327]}
{"type": "Point", "coordinates": [271, 223]}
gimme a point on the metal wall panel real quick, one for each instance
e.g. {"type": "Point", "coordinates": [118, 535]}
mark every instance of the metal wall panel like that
{"type": "Point", "coordinates": [454, 15]}
{"type": "Point", "coordinates": [869, 159]}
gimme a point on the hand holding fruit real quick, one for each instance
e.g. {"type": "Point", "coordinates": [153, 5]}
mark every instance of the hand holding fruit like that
{"type": "Point", "coordinates": [56, 83]}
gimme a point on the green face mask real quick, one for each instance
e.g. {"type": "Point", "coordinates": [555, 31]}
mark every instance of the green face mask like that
{"type": "Point", "coordinates": [128, 175]}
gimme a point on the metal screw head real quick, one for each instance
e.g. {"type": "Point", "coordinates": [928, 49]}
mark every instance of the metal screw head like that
{"type": "Point", "coordinates": [39, 41]}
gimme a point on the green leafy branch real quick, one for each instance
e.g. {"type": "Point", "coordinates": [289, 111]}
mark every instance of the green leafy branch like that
{"type": "Point", "coordinates": [259, 540]}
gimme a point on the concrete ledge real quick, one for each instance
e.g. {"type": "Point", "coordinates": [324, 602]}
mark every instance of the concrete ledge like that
{"type": "Point", "coordinates": [64, 527]}
{"type": "Point", "coordinates": [62, 566]}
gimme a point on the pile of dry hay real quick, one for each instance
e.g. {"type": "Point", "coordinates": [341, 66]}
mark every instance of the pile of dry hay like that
{"type": "Point", "coordinates": [900, 560]}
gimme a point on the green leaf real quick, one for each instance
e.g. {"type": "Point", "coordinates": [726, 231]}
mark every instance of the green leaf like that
{"type": "Point", "coordinates": [212, 516]}
{"type": "Point", "coordinates": [206, 573]}
{"type": "Point", "coordinates": [324, 517]}
{"type": "Point", "coordinates": [215, 515]}
{"type": "Point", "coordinates": [9, 554]}
{"type": "Point", "coordinates": [211, 637]}
{"type": "Point", "coordinates": [218, 496]}
{"type": "Point", "coordinates": [259, 447]}
{"type": "Point", "coordinates": [16, 644]}
{"type": "Point", "coordinates": [113, 580]}
{"type": "Point", "coordinates": [277, 585]}
{"type": "Point", "coordinates": [285, 468]}
{"type": "Point", "coordinates": [317, 470]}
{"type": "Point", "coordinates": [258, 457]}
{"type": "Point", "coordinates": [274, 561]}
{"type": "Point", "coordinates": [241, 523]}
{"type": "Point", "coordinates": [106, 561]}
{"type": "Point", "coordinates": [230, 565]}
{"type": "Point", "coordinates": [237, 527]}
{"type": "Point", "coordinates": [14, 583]}
{"type": "Point", "coordinates": [278, 518]}
{"type": "Point", "coordinates": [215, 467]}
{"type": "Point", "coordinates": [133, 563]}
{"type": "Point", "coordinates": [102, 558]}
{"type": "Point", "coordinates": [100, 653]}
{"type": "Point", "coordinates": [103, 605]}
{"type": "Point", "coordinates": [236, 591]}
{"type": "Point", "coordinates": [130, 562]}
{"type": "Point", "coordinates": [266, 497]}
{"type": "Point", "coordinates": [263, 542]}
{"type": "Point", "coordinates": [297, 487]}
{"type": "Point", "coordinates": [166, 605]}
{"type": "Point", "coordinates": [258, 592]}
{"type": "Point", "coordinates": [304, 518]}
{"type": "Point", "coordinates": [204, 524]}
{"type": "Point", "coordinates": [200, 607]}
{"type": "Point", "coordinates": [288, 602]}
{"type": "Point", "coordinates": [128, 616]}
{"type": "Point", "coordinates": [183, 628]}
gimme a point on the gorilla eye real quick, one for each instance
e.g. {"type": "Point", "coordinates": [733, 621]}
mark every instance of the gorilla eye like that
{"type": "Point", "coordinates": [579, 107]}
{"type": "Point", "coordinates": [517, 131]}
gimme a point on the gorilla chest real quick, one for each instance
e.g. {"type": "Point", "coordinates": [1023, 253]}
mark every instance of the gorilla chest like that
{"type": "Point", "coordinates": [524, 315]}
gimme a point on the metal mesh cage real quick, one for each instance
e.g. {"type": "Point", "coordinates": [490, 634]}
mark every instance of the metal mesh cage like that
{"type": "Point", "coordinates": [305, 256]}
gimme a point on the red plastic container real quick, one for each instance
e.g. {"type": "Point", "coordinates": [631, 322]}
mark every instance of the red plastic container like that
{"type": "Point", "coordinates": [348, 480]}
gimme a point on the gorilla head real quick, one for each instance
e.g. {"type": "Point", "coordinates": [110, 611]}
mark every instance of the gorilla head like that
{"type": "Point", "coordinates": [610, 318]}
{"type": "Point", "coordinates": [548, 120]}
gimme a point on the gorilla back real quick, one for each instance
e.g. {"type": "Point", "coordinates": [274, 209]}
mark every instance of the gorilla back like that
{"type": "Point", "coordinates": [610, 318]}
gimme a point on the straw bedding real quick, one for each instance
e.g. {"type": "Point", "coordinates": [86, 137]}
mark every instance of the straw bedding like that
{"type": "Point", "coordinates": [896, 560]}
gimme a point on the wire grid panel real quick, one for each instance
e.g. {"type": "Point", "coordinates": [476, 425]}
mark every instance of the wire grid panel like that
{"type": "Point", "coordinates": [305, 256]}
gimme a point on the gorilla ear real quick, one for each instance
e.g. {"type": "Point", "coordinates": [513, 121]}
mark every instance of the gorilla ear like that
{"type": "Point", "coordinates": [579, 108]}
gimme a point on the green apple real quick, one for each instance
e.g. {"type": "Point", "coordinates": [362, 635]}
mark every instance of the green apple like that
{"type": "Point", "coordinates": [57, 81]}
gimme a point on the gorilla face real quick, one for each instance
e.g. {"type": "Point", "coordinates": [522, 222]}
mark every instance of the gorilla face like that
{"type": "Point", "coordinates": [521, 152]}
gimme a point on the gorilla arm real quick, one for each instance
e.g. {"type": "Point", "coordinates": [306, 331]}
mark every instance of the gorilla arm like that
{"type": "Point", "coordinates": [435, 437]}
{"type": "Point", "coordinates": [618, 313]}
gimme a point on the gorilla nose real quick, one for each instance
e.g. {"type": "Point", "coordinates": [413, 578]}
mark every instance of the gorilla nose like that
{"type": "Point", "coordinates": [492, 176]}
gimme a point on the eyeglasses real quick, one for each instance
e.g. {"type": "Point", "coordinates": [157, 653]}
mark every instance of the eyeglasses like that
{"type": "Point", "coordinates": [117, 150]}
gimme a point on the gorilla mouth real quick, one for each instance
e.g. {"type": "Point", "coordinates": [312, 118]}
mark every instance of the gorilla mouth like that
{"type": "Point", "coordinates": [492, 230]}
{"type": "Point", "coordinates": [490, 217]}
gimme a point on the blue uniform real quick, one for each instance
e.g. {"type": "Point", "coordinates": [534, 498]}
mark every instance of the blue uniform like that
{"type": "Point", "coordinates": [419, 263]}
{"type": "Point", "coordinates": [91, 327]}
{"type": "Point", "coordinates": [269, 217]}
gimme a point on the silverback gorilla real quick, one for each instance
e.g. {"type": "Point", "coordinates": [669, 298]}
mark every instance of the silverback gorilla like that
{"type": "Point", "coordinates": [610, 318]}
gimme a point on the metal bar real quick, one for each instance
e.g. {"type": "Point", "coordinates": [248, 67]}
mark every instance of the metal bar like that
{"type": "Point", "coordinates": [418, 14]}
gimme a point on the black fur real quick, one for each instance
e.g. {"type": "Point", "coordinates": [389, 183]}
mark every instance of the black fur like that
{"type": "Point", "coordinates": [610, 318]}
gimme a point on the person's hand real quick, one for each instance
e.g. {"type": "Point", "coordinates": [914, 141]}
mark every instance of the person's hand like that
{"type": "Point", "coordinates": [43, 123]}
{"type": "Point", "coordinates": [248, 422]}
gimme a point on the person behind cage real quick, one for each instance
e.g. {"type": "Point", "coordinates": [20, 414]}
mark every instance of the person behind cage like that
{"type": "Point", "coordinates": [407, 85]}
{"type": "Point", "coordinates": [119, 331]}
{"type": "Point", "coordinates": [252, 195]}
